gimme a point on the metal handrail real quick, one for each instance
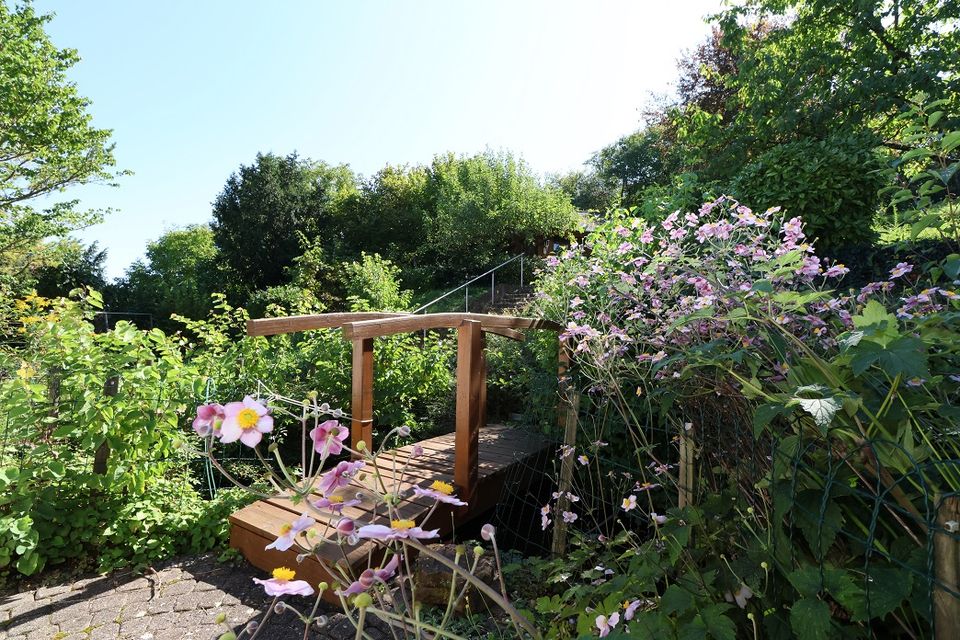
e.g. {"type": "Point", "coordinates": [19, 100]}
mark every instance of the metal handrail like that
{"type": "Point", "coordinates": [466, 285]}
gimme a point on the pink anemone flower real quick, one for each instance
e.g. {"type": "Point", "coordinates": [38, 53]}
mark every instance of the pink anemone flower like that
{"type": "Point", "coordinates": [328, 438]}
{"type": "Point", "coordinates": [283, 584]}
{"type": "Point", "coordinates": [208, 420]}
{"type": "Point", "coordinates": [339, 476]}
{"type": "Point", "coordinates": [398, 530]}
{"type": "Point", "coordinates": [439, 491]}
{"type": "Point", "coordinates": [370, 577]}
{"type": "Point", "coordinates": [245, 421]}
{"type": "Point", "coordinates": [336, 504]}
{"type": "Point", "coordinates": [289, 531]}
{"type": "Point", "coordinates": [606, 625]}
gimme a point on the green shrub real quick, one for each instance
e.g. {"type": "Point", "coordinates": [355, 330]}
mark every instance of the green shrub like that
{"type": "Point", "coordinates": [169, 519]}
{"type": "Point", "coordinates": [373, 284]}
{"type": "Point", "coordinates": [831, 183]}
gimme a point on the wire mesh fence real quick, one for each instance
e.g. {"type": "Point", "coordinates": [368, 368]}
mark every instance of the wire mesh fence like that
{"type": "Point", "coordinates": [870, 527]}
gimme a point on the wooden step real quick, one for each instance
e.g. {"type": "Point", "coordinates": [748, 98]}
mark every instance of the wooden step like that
{"type": "Point", "coordinates": [500, 448]}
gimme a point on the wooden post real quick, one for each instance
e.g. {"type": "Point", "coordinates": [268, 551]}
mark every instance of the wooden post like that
{"type": "Point", "coordinates": [482, 415]}
{"type": "Point", "coordinates": [946, 559]}
{"type": "Point", "coordinates": [685, 475]}
{"type": "Point", "coordinates": [361, 403]}
{"type": "Point", "coordinates": [567, 412]}
{"type": "Point", "coordinates": [110, 388]}
{"type": "Point", "coordinates": [467, 439]}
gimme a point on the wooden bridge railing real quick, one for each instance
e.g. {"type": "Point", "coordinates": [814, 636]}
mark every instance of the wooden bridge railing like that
{"type": "Point", "coordinates": [362, 328]}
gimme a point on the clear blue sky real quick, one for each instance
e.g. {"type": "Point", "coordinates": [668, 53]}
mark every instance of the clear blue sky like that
{"type": "Point", "coordinates": [194, 89]}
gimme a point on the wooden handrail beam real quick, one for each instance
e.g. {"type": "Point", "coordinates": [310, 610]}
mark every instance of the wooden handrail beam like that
{"type": "Point", "coordinates": [292, 324]}
{"type": "Point", "coordinates": [378, 327]}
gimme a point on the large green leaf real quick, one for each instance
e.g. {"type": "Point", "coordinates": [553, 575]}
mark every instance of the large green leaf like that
{"type": "Point", "coordinates": [905, 356]}
{"type": "Point", "coordinates": [675, 599]}
{"type": "Point", "coordinates": [718, 624]}
{"type": "Point", "coordinates": [822, 409]}
{"type": "Point", "coordinates": [885, 588]}
{"type": "Point", "coordinates": [810, 619]}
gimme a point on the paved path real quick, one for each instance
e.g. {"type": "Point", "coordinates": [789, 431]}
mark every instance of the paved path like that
{"type": "Point", "coordinates": [180, 600]}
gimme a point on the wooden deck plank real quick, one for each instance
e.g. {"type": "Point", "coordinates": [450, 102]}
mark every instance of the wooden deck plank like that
{"type": "Point", "coordinates": [500, 448]}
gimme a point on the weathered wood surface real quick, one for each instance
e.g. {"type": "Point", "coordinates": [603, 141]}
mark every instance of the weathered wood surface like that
{"type": "Point", "coordinates": [499, 448]}
{"type": "Point", "coordinates": [501, 325]}
{"type": "Point", "coordinates": [292, 324]}
{"type": "Point", "coordinates": [378, 327]}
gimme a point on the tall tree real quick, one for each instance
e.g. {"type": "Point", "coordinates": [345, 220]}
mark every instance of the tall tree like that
{"type": "Point", "coordinates": [47, 139]}
{"type": "Point", "coordinates": [70, 265]}
{"type": "Point", "coordinates": [265, 206]}
{"type": "Point", "coordinates": [178, 276]}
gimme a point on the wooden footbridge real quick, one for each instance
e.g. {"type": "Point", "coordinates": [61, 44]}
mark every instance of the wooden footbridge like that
{"type": "Point", "coordinates": [476, 459]}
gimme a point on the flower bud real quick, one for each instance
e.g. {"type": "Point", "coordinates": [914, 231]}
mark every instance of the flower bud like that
{"type": "Point", "coordinates": [321, 621]}
{"type": "Point", "coordinates": [346, 526]}
{"type": "Point", "coordinates": [403, 431]}
{"type": "Point", "coordinates": [229, 635]}
{"type": "Point", "coordinates": [367, 578]}
{"type": "Point", "coordinates": [221, 618]}
{"type": "Point", "coordinates": [361, 446]}
{"type": "Point", "coordinates": [323, 586]}
{"type": "Point", "coordinates": [279, 608]}
{"type": "Point", "coordinates": [363, 601]}
{"type": "Point", "coordinates": [461, 549]}
{"type": "Point", "coordinates": [301, 557]}
{"type": "Point", "coordinates": [353, 539]}
{"type": "Point", "coordinates": [312, 395]}
{"type": "Point", "coordinates": [252, 627]}
{"type": "Point", "coordinates": [325, 407]}
{"type": "Point", "coordinates": [487, 532]}
{"type": "Point", "coordinates": [272, 448]}
{"type": "Point", "coordinates": [417, 451]}
{"type": "Point", "coordinates": [478, 551]}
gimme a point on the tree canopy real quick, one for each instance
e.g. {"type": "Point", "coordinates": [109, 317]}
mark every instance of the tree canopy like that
{"type": "Point", "coordinates": [266, 208]}
{"type": "Point", "coordinates": [47, 139]}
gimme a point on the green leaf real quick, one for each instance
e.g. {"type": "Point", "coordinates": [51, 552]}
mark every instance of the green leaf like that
{"type": "Point", "coordinates": [950, 141]}
{"type": "Point", "coordinates": [28, 564]}
{"type": "Point", "coordinates": [885, 589]}
{"type": "Point", "coordinates": [850, 339]}
{"type": "Point", "coordinates": [765, 414]}
{"type": "Point", "coordinates": [764, 286]}
{"type": "Point", "coordinates": [927, 221]}
{"type": "Point", "coordinates": [822, 409]}
{"type": "Point", "coordinates": [906, 356]}
{"type": "Point", "coordinates": [675, 599]}
{"type": "Point", "coordinates": [810, 619]}
{"type": "Point", "coordinates": [719, 625]}
{"type": "Point", "coordinates": [934, 118]}
{"type": "Point", "coordinates": [951, 265]}
{"type": "Point", "coordinates": [806, 581]}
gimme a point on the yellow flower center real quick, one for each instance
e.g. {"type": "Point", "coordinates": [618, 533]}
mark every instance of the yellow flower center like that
{"type": "Point", "coordinates": [442, 487]}
{"type": "Point", "coordinates": [283, 574]}
{"type": "Point", "coordinates": [286, 528]}
{"type": "Point", "coordinates": [336, 499]}
{"type": "Point", "coordinates": [402, 524]}
{"type": "Point", "coordinates": [247, 419]}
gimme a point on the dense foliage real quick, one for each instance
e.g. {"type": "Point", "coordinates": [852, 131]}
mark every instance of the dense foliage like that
{"type": "Point", "coordinates": [720, 326]}
{"type": "Point", "coordinates": [47, 142]}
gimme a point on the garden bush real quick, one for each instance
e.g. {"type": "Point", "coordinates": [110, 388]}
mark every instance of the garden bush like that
{"type": "Point", "coordinates": [820, 418]}
{"type": "Point", "coordinates": [831, 184]}
{"type": "Point", "coordinates": [91, 463]}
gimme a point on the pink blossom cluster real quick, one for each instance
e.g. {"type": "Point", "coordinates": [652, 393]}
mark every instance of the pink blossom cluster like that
{"type": "Point", "coordinates": [642, 294]}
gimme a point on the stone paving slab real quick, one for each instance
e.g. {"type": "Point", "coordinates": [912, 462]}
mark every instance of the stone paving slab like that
{"type": "Point", "coordinates": [179, 600]}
